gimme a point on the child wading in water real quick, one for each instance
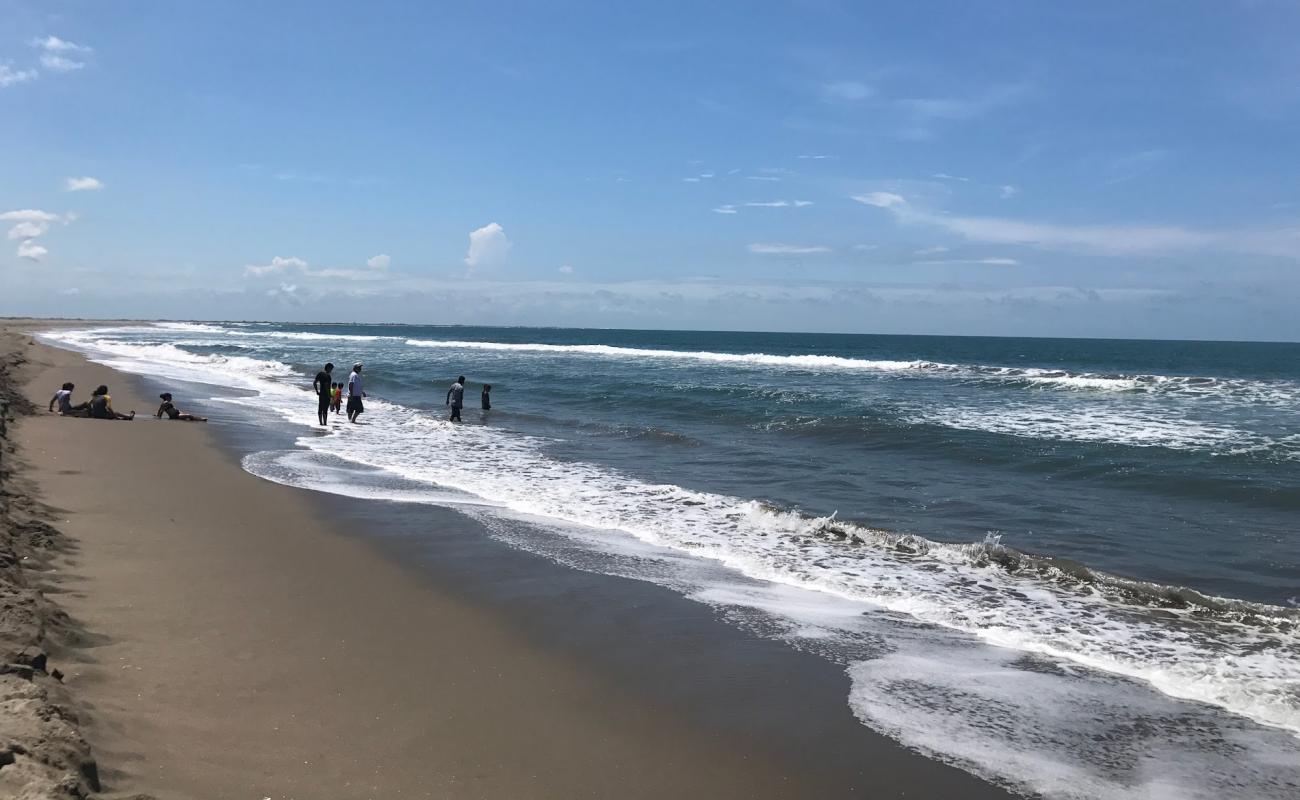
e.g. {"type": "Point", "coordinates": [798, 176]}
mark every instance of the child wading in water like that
{"type": "Point", "coordinates": [173, 412]}
{"type": "Point", "coordinates": [337, 392]}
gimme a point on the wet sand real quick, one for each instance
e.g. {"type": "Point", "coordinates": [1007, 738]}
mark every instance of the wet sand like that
{"type": "Point", "coordinates": [245, 640]}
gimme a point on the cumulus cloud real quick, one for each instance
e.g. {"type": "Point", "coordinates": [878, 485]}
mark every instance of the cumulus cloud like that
{"type": "Point", "coordinates": [565, 269]}
{"type": "Point", "coordinates": [10, 76]}
{"type": "Point", "coordinates": [28, 230]}
{"type": "Point", "coordinates": [32, 223]}
{"type": "Point", "coordinates": [59, 55]}
{"type": "Point", "coordinates": [86, 184]}
{"type": "Point", "coordinates": [787, 249]}
{"type": "Point", "coordinates": [1007, 191]}
{"type": "Point", "coordinates": [488, 245]}
{"type": "Point", "coordinates": [380, 261]}
{"type": "Point", "coordinates": [31, 250]}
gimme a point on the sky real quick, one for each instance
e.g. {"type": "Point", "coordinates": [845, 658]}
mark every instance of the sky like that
{"type": "Point", "coordinates": [1109, 169]}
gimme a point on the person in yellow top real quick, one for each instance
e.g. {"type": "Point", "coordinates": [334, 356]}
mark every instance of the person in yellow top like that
{"type": "Point", "coordinates": [101, 406]}
{"type": "Point", "coordinates": [337, 401]}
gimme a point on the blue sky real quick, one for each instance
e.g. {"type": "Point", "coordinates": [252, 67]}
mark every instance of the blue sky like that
{"type": "Point", "coordinates": [1019, 168]}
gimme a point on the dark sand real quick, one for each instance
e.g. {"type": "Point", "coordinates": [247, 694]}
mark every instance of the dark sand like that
{"type": "Point", "coordinates": [243, 647]}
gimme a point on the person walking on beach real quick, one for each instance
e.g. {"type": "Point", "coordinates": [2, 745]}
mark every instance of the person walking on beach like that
{"type": "Point", "coordinates": [172, 412]}
{"type": "Point", "coordinates": [101, 406]}
{"type": "Point", "coordinates": [63, 398]}
{"type": "Point", "coordinates": [355, 393]}
{"type": "Point", "coordinates": [456, 398]}
{"type": "Point", "coordinates": [322, 385]}
{"type": "Point", "coordinates": [487, 401]}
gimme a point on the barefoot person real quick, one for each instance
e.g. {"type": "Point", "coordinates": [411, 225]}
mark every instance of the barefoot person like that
{"type": "Point", "coordinates": [173, 412]}
{"type": "Point", "coordinates": [323, 388]}
{"type": "Point", "coordinates": [63, 399]}
{"type": "Point", "coordinates": [487, 400]}
{"type": "Point", "coordinates": [355, 407]}
{"type": "Point", "coordinates": [456, 398]}
{"type": "Point", "coordinates": [101, 406]}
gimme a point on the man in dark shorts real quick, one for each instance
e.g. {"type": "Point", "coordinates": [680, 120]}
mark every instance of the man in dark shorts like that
{"type": "Point", "coordinates": [355, 393]}
{"type": "Point", "coordinates": [456, 398]}
{"type": "Point", "coordinates": [322, 386]}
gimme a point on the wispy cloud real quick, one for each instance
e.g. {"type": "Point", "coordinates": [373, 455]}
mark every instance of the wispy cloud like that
{"type": "Point", "coordinates": [86, 184]}
{"type": "Point", "coordinates": [565, 269]}
{"type": "Point", "coordinates": [812, 157]}
{"type": "Point", "coordinates": [845, 92]}
{"type": "Point", "coordinates": [943, 176]}
{"type": "Point", "coordinates": [281, 266]}
{"type": "Point", "coordinates": [59, 55]}
{"type": "Point", "coordinates": [10, 76]}
{"type": "Point", "coordinates": [1007, 191]}
{"type": "Point", "coordinates": [726, 209]}
{"type": "Point", "coordinates": [779, 204]}
{"type": "Point", "coordinates": [1115, 240]}
{"type": "Point", "coordinates": [777, 249]}
{"type": "Point", "coordinates": [993, 261]}
{"type": "Point", "coordinates": [761, 178]}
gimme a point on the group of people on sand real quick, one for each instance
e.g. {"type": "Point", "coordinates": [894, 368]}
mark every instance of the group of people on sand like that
{"type": "Point", "coordinates": [329, 394]}
{"type": "Point", "coordinates": [100, 406]}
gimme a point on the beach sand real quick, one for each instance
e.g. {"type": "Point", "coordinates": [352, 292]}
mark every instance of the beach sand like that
{"type": "Point", "coordinates": [238, 645]}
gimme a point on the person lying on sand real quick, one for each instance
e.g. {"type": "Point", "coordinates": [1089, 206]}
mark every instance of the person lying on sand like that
{"type": "Point", "coordinates": [173, 412]}
{"type": "Point", "coordinates": [101, 406]}
{"type": "Point", "coordinates": [63, 398]}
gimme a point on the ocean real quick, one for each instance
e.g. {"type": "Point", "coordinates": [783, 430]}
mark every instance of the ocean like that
{"type": "Point", "coordinates": [1071, 567]}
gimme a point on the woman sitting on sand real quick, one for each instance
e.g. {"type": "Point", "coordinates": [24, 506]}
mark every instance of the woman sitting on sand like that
{"type": "Point", "coordinates": [173, 412]}
{"type": "Point", "coordinates": [101, 406]}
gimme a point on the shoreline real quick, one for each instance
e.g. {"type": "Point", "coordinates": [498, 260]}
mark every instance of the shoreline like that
{"type": "Point", "coordinates": [281, 648]}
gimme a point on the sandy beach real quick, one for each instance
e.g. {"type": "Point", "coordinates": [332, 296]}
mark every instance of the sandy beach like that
{"type": "Point", "coordinates": [233, 643]}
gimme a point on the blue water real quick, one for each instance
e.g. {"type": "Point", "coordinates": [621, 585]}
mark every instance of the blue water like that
{"type": "Point", "coordinates": [1121, 513]}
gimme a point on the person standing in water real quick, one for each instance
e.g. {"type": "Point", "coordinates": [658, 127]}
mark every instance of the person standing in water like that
{"type": "Point", "coordinates": [322, 385]}
{"type": "Point", "coordinates": [487, 401]}
{"type": "Point", "coordinates": [456, 398]}
{"type": "Point", "coordinates": [355, 407]}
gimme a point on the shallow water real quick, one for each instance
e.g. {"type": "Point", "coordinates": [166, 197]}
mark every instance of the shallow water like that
{"type": "Point", "coordinates": [1077, 559]}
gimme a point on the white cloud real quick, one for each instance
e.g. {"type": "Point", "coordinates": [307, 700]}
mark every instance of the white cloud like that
{"type": "Point", "coordinates": [812, 157]}
{"type": "Point", "coordinates": [380, 261]}
{"type": "Point", "coordinates": [991, 262]}
{"type": "Point", "coordinates": [488, 245]}
{"type": "Point", "coordinates": [951, 108]}
{"type": "Point", "coordinates": [691, 180]}
{"type": "Point", "coordinates": [278, 264]}
{"type": "Point", "coordinates": [930, 251]}
{"type": "Point", "coordinates": [56, 54]}
{"type": "Point", "coordinates": [762, 178]}
{"type": "Point", "coordinates": [31, 250]}
{"type": "Point", "coordinates": [32, 223]}
{"type": "Point", "coordinates": [53, 44]}
{"type": "Point", "coordinates": [787, 249]}
{"type": "Point", "coordinates": [1116, 240]}
{"type": "Point", "coordinates": [29, 215]}
{"type": "Point", "coordinates": [1007, 191]}
{"type": "Point", "coordinates": [881, 199]}
{"type": "Point", "coordinates": [10, 76]}
{"type": "Point", "coordinates": [60, 63]}
{"type": "Point", "coordinates": [846, 91]}
{"type": "Point", "coordinates": [780, 204]}
{"type": "Point", "coordinates": [565, 269]}
{"type": "Point", "coordinates": [862, 248]}
{"type": "Point", "coordinates": [726, 209]}
{"type": "Point", "coordinates": [28, 230]}
{"type": "Point", "coordinates": [86, 184]}
{"type": "Point", "coordinates": [943, 176]}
